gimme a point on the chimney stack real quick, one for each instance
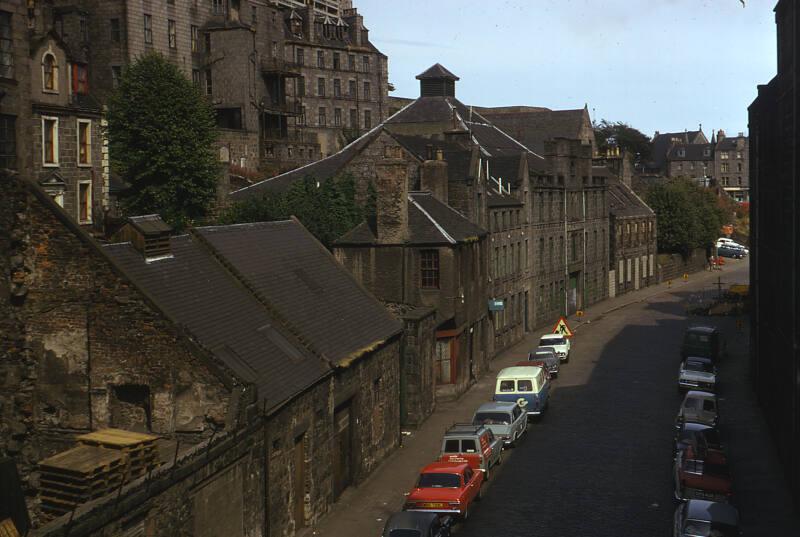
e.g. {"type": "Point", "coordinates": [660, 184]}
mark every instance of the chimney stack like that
{"type": "Point", "coordinates": [391, 204]}
{"type": "Point", "coordinates": [433, 177]}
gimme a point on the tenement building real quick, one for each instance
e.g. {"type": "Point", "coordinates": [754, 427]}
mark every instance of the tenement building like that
{"type": "Point", "coordinates": [691, 161]}
{"type": "Point", "coordinates": [662, 143]}
{"type": "Point", "coordinates": [775, 241]}
{"type": "Point", "coordinates": [732, 166]}
{"type": "Point", "coordinates": [50, 122]}
{"type": "Point", "coordinates": [276, 51]}
{"type": "Point", "coordinates": [543, 220]}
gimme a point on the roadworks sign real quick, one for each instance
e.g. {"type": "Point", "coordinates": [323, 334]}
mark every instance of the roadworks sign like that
{"type": "Point", "coordinates": [562, 328]}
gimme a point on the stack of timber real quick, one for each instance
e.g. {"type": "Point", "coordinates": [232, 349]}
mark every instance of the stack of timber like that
{"type": "Point", "coordinates": [78, 475]}
{"type": "Point", "coordinates": [141, 454]}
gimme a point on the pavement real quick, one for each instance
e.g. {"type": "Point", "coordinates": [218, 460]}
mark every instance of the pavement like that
{"type": "Point", "coordinates": [599, 463]}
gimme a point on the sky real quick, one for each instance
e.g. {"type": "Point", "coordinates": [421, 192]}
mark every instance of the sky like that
{"type": "Point", "coordinates": [666, 65]}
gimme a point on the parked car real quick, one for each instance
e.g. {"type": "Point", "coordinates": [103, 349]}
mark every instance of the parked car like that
{"type": "Point", "coordinates": [698, 407]}
{"type": "Point", "coordinates": [702, 342]}
{"type": "Point", "coordinates": [417, 524]}
{"type": "Point", "coordinates": [702, 475]}
{"type": "Point", "coordinates": [506, 420]}
{"type": "Point", "coordinates": [548, 356]}
{"type": "Point", "coordinates": [535, 363]}
{"type": "Point", "coordinates": [446, 488]}
{"type": "Point", "coordinates": [731, 251]}
{"type": "Point", "coordinates": [475, 445]}
{"type": "Point", "coordinates": [701, 517]}
{"type": "Point", "coordinates": [697, 374]}
{"type": "Point", "coordinates": [688, 433]}
{"type": "Point", "coordinates": [558, 342]}
{"type": "Point", "coordinates": [529, 387]}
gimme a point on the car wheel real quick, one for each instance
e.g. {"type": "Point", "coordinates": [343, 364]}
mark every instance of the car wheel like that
{"type": "Point", "coordinates": [467, 510]}
{"type": "Point", "coordinates": [500, 459]}
{"type": "Point", "coordinates": [514, 440]}
{"type": "Point", "coordinates": [481, 491]}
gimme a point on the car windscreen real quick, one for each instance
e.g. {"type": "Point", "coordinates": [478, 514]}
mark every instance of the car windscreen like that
{"type": "Point", "coordinates": [491, 418]}
{"type": "Point", "coordinates": [693, 403]}
{"type": "Point", "coordinates": [702, 528]}
{"type": "Point", "coordinates": [544, 354]}
{"type": "Point", "coordinates": [546, 342]}
{"type": "Point", "coordinates": [405, 533]}
{"type": "Point", "coordinates": [698, 339]}
{"type": "Point", "coordinates": [439, 481]}
{"type": "Point", "coordinates": [701, 367]}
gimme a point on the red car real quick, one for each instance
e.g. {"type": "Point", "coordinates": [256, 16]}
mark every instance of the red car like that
{"type": "Point", "coordinates": [702, 475]}
{"type": "Point", "coordinates": [446, 488]}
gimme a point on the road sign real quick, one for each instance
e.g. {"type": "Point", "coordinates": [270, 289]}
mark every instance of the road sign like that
{"type": "Point", "coordinates": [562, 328]}
{"type": "Point", "coordinates": [496, 304]}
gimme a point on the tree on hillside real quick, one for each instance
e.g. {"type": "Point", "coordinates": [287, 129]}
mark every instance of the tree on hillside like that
{"type": "Point", "coordinates": [621, 134]}
{"type": "Point", "coordinates": [161, 132]}
{"type": "Point", "coordinates": [688, 216]}
{"type": "Point", "coordinates": [328, 211]}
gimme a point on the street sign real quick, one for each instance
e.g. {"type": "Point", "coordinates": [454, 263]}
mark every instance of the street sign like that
{"type": "Point", "coordinates": [562, 328]}
{"type": "Point", "coordinates": [497, 304]}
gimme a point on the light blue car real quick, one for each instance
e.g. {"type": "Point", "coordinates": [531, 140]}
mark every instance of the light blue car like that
{"type": "Point", "coordinates": [528, 386]}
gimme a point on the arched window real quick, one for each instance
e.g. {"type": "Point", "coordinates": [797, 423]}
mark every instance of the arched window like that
{"type": "Point", "coordinates": [49, 72]}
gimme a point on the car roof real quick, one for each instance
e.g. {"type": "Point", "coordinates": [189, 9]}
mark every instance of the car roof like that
{"type": "Point", "coordinates": [518, 371]}
{"type": "Point", "coordinates": [542, 349]}
{"type": "Point", "coordinates": [410, 520]}
{"type": "Point", "coordinates": [551, 336]}
{"type": "Point", "coordinates": [445, 468]}
{"type": "Point", "coordinates": [693, 426]}
{"type": "Point", "coordinates": [699, 359]}
{"type": "Point", "coordinates": [702, 329]}
{"type": "Point", "coordinates": [722, 513]}
{"type": "Point", "coordinates": [505, 406]}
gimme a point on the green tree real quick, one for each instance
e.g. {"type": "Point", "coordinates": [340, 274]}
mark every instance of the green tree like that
{"type": "Point", "coordinates": [328, 210]}
{"type": "Point", "coordinates": [621, 134]}
{"type": "Point", "coordinates": [688, 215]}
{"type": "Point", "coordinates": [161, 132]}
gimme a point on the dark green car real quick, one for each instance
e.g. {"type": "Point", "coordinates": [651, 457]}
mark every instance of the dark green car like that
{"type": "Point", "coordinates": [702, 342]}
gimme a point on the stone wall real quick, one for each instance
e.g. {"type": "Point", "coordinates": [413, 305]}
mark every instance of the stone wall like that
{"type": "Point", "coordinates": [418, 378]}
{"type": "Point", "coordinates": [674, 266]}
{"type": "Point", "coordinates": [88, 350]}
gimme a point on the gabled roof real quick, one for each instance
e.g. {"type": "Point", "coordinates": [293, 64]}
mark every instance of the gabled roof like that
{"type": "Point", "coordinates": [437, 71]}
{"type": "Point", "coordinates": [200, 294]}
{"type": "Point", "coordinates": [430, 222]}
{"type": "Point", "coordinates": [623, 201]}
{"type": "Point", "coordinates": [533, 126]}
{"type": "Point", "coordinates": [283, 263]}
{"type": "Point", "coordinates": [691, 152]}
{"type": "Point", "coordinates": [729, 143]}
{"type": "Point", "coordinates": [663, 141]}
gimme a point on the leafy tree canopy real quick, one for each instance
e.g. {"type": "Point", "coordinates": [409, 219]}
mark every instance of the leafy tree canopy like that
{"type": "Point", "coordinates": [688, 215]}
{"type": "Point", "coordinates": [161, 132]}
{"type": "Point", "coordinates": [621, 134]}
{"type": "Point", "coordinates": [328, 211]}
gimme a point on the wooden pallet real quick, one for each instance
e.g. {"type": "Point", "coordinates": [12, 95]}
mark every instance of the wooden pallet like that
{"type": "Point", "coordinates": [78, 475]}
{"type": "Point", "coordinates": [140, 448]}
{"type": "Point", "coordinates": [8, 529]}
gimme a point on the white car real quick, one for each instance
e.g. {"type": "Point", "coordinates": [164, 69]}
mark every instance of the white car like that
{"type": "Point", "coordinates": [559, 343]}
{"type": "Point", "coordinates": [697, 374]}
{"type": "Point", "coordinates": [723, 241]}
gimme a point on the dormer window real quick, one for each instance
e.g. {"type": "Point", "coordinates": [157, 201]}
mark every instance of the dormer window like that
{"type": "Point", "coordinates": [49, 73]}
{"type": "Point", "coordinates": [707, 152]}
{"type": "Point", "coordinates": [681, 152]}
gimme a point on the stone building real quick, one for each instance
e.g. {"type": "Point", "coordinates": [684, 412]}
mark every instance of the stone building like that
{"type": "Point", "coordinates": [230, 343]}
{"type": "Point", "coordinates": [50, 122]}
{"type": "Point", "coordinates": [692, 161]}
{"type": "Point", "coordinates": [632, 238]}
{"type": "Point", "coordinates": [344, 78]}
{"type": "Point", "coordinates": [775, 244]}
{"type": "Point", "coordinates": [663, 142]}
{"type": "Point", "coordinates": [732, 165]}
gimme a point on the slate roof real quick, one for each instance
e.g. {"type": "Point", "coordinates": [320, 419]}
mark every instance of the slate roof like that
{"type": "Point", "coordinates": [729, 143]}
{"type": "Point", "coordinates": [437, 70]}
{"type": "Point", "coordinates": [692, 152]}
{"type": "Point", "coordinates": [533, 126]}
{"type": "Point", "coordinates": [430, 222]}
{"type": "Point", "coordinates": [149, 224]}
{"type": "Point", "coordinates": [622, 201]}
{"type": "Point", "coordinates": [663, 141]}
{"type": "Point", "coordinates": [201, 295]}
{"type": "Point", "coordinates": [306, 286]}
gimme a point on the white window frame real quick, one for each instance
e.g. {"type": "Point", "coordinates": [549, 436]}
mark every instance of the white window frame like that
{"type": "Point", "coordinates": [55, 89]}
{"type": "Point", "coordinates": [89, 201]}
{"type": "Point", "coordinates": [651, 264]}
{"type": "Point", "coordinates": [630, 276]}
{"type": "Point", "coordinates": [644, 266]}
{"type": "Point", "coordinates": [621, 271]}
{"type": "Point", "coordinates": [88, 123]}
{"type": "Point", "coordinates": [55, 163]}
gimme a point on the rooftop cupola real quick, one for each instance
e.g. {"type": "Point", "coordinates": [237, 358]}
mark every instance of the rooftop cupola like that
{"type": "Point", "coordinates": [437, 82]}
{"type": "Point", "coordinates": [148, 234]}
